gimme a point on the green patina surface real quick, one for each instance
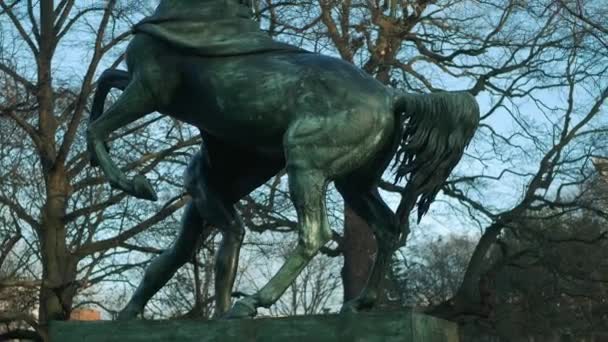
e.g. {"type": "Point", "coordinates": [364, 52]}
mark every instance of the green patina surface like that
{"type": "Point", "coordinates": [209, 28]}
{"type": "Point", "coordinates": [262, 106]}
{"type": "Point", "coordinates": [370, 327]}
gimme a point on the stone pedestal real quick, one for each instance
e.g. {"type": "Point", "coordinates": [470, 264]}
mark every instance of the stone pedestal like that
{"type": "Point", "coordinates": [369, 327]}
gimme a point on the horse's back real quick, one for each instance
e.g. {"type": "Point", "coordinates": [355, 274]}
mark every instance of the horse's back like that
{"type": "Point", "coordinates": [269, 92]}
{"type": "Point", "coordinates": [273, 79]}
{"type": "Point", "coordinates": [276, 81]}
{"type": "Point", "coordinates": [257, 97]}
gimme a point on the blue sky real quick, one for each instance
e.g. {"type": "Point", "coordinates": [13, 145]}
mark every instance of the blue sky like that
{"type": "Point", "coordinates": [73, 56]}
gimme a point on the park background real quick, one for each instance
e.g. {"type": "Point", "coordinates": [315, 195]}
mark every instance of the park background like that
{"type": "Point", "coordinates": [514, 248]}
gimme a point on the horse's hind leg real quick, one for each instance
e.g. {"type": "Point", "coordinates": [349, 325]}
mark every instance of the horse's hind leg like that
{"type": "Point", "coordinates": [307, 186]}
{"type": "Point", "coordinates": [365, 200]}
{"type": "Point", "coordinates": [319, 148]}
{"type": "Point", "coordinates": [307, 189]}
{"type": "Point", "coordinates": [135, 102]}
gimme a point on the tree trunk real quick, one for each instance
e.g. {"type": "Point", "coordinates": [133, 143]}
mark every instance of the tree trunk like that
{"type": "Point", "coordinates": [359, 252]}
{"type": "Point", "coordinates": [359, 244]}
{"type": "Point", "coordinates": [58, 265]}
{"type": "Point", "coordinates": [475, 294]}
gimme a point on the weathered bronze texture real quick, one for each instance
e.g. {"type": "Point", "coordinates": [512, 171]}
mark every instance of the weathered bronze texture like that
{"type": "Point", "coordinates": [262, 106]}
{"type": "Point", "coordinates": [403, 326]}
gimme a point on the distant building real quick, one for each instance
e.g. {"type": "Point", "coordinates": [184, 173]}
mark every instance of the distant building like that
{"type": "Point", "coordinates": [85, 315]}
{"type": "Point", "coordinates": [601, 165]}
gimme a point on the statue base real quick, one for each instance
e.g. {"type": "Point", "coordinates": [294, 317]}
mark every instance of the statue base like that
{"type": "Point", "coordinates": [402, 326]}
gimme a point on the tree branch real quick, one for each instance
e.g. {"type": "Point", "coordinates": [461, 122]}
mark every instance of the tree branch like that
{"type": "Point", "coordinates": [86, 87]}
{"type": "Point", "coordinates": [102, 245]}
{"type": "Point", "coordinates": [20, 212]}
{"type": "Point", "coordinates": [9, 11]}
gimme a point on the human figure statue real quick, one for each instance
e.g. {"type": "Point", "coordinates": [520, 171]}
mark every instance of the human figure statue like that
{"type": "Point", "coordinates": [262, 106]}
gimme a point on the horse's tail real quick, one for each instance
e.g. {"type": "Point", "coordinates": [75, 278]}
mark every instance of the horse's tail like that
{"type": "Point", "coordinates": [435, 130]}
{"type": "Point", "coordinates": [110, 78]}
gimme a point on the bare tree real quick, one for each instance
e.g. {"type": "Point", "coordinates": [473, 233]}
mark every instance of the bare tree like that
{"type": "Point", "coordinates": [18, 288]}
{"type": "Point", "coordinates": [430, 272]}
{"type": "Point", "coordinates": [538, 69]}
{"type": "Point", "coordinates": [546, 274]}
{"type": "Point", "coordinates": [50, 54]}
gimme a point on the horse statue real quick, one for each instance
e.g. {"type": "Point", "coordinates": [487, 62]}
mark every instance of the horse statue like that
{"type": "Point", "coordinates": [263, 106]}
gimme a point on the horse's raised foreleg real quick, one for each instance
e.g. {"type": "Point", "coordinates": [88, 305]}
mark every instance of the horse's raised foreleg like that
{"type": "Point", "coordinates": [368, 204]}
{"type": "Point", "coordinates": [135, 102]}
{"type": "Point", "coordinates": [307, 189]}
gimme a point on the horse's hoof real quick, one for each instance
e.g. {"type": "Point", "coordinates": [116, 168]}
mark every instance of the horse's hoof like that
{"type": "Point", "coordinates": [143, 189]}
{"type": "Point", "coordinates": [361, 303]}
{"type": "Point", "coordinates": [127, 315]}
{"type": "Point", "coordinates": [349, 307]}
{"type": "Point", "coordinates": [241, 309]}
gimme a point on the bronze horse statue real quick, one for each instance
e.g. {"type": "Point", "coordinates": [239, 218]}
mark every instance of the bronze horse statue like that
{"type": "Point", "coordinates": [262, 106]}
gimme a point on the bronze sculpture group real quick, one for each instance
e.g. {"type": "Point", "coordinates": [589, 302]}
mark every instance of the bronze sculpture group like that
{"type": "Point", "coordinates": [262, 106]}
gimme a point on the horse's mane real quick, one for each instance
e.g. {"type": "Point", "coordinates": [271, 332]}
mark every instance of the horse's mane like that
{"type": "Point", "coordinates": [212, 28]}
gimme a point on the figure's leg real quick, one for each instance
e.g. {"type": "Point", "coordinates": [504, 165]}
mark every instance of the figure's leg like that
{"type": "Point", "coordinates": [212, 202]}
{"type": "Point", "coordinates": [135, 102]}
{"type": "Point", "coordinates": [218, 180]}
{"type": "Point", "coordinates": [226, 264]}
{"type": "Point", "coordinates": [164, 266]}
{"type": "Point", "coordinates": [367, 203]}
{"type": "Point", "coordinates": [214, 190]}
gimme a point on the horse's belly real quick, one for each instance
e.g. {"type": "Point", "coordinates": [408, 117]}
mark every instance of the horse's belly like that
{"type": "Point", "coordinates": [246, 128]}
{"type": "Point", "coordinates": [241, 127]}
{"type": "Point", "coordinates": [240, 116]}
